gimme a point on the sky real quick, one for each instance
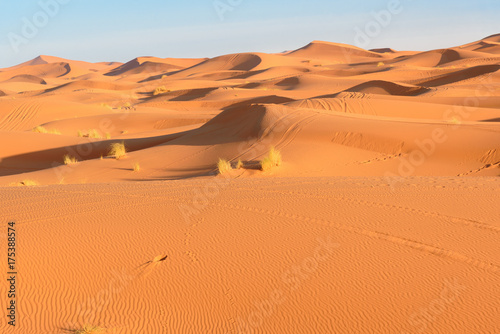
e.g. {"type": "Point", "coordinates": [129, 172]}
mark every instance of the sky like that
{"type": "Point", "coordinates": [111, 30]}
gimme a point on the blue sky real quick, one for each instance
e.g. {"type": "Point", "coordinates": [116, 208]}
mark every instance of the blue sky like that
{"type": "Point", "coordinates": [110, 30]}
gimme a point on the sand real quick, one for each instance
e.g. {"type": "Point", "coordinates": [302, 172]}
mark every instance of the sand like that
{"type": "Point", "coordinates": [382, 218]}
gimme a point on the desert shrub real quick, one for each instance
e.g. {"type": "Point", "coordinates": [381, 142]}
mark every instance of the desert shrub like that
{"type": "Point", "coordinates": [239, 164]}
{"type": "Point", "coordinates": [69, 160]}
{"type": "Point", "coordinates": [117, 150]}
{"type": "Point", "coordinates": [272, 160]}
{"type": "Point", "coordinates": [160, 90]}
{"type": "Point", "coordinates": [137, 167]}
{"type": "Point", "coordinates": [41, 129]}
{"type": "Point", "coordinates": [93, 133]}
{"type": "Point", "coordinates": [223, 166]}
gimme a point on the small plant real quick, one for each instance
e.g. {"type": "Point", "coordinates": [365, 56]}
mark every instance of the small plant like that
{"type": "Point", "coordinates": [380, 64]}
{"type": "Point", "coordinates": [117, 150]}
{"type": "Point", "coordinates": [108, 135]}
{"type": "Point", "coordinates": [160, 90]}
{"type": "Point", "coordinates": [41, 129]}
{"type": "Point", "coordinates": [69, 160]}
{"type": "Point", "coordinates": [239, 164]}
{"type": "Point", "coordinates": [272, 160]}
{"type": "Point", "coordinates": [137, 167]}
{"type": "Point", "coordinates": [89, 329]}
{"type": "Point", "coordinates": [93, 133]}
{"type": "Point", "coordinates": [275, 156]}
{"type": "Point", "coordinates": [223, 166]}
{"type": "Point", "coordinates": [266, 164]}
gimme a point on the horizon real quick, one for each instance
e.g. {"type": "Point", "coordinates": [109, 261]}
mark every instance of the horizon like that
{"type": "Point", "coordinates": [119, 31]}
{"type": "Point", "coordinates": [153, 56]}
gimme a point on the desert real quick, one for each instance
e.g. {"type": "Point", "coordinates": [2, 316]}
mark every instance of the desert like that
{"type": "Point", "coordinates": [327, 189]}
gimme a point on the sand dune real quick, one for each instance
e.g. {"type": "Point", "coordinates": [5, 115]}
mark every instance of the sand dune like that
{"type": "Point", "coordinates": [387, 88]}
{"type": "Point", "coordinates": [27, 78]}
{"type": "Point", "coordinates": [334, 52]}
{"type": "Point", "coordinates": [381, 218]}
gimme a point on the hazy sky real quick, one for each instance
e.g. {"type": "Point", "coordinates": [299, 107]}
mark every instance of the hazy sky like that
{"type": "Point", "coordinates": [111, 30]}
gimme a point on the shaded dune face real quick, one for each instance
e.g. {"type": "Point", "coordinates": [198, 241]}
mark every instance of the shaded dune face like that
{"type": "Point", "coordinates": [328, 189]}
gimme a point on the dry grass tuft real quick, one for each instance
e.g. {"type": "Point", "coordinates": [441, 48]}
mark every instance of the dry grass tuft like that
{"type": "Point", "coordinates": [92, 133]}
{"type": "Point", "coordinates": [41, 129]}
{"type": "Point", "coordinates": [137, 167]}
{"type": "Point", "coordinates": [239, 164]}
{"type": "Point", "coordinates": [160, 90]}
{"type": "Point", "coordinates": [117, 150]}
{"type": "Point", "coordinates": [223, 166]}
{"type": "Point", "coordinates": [272, 160]}
{"type": "Point", "coordinates": [69, 160]}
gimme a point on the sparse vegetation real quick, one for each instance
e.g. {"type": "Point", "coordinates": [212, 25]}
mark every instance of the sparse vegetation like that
{"type": "Point", "coordinates": [117, 150]}
{"type": "Point", "coordinates": [137, 167]}
{"type": "Point", "coordinates": [89, 329]}
{"type": "Point", "coordinates": [266, 164]}
{"type": "Point", "coordinates": [380, 64]}
{"type": "Point", "coordinates": [92, 133]}
{"type": "Point", "coordinates": [108, 135]}
{"type": "Point", "coordinates": [239, 164]}
{"type": "Point", "coordinates": [160, 90]}
{"type": "Point", "coordinates": [272, 160]}
{"type": "Point", "coordinates": [69, 160]}
{"type": "Point", "coordinates": [223, 166]}
{"type": "Point", "coordinates": [41, 129]}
